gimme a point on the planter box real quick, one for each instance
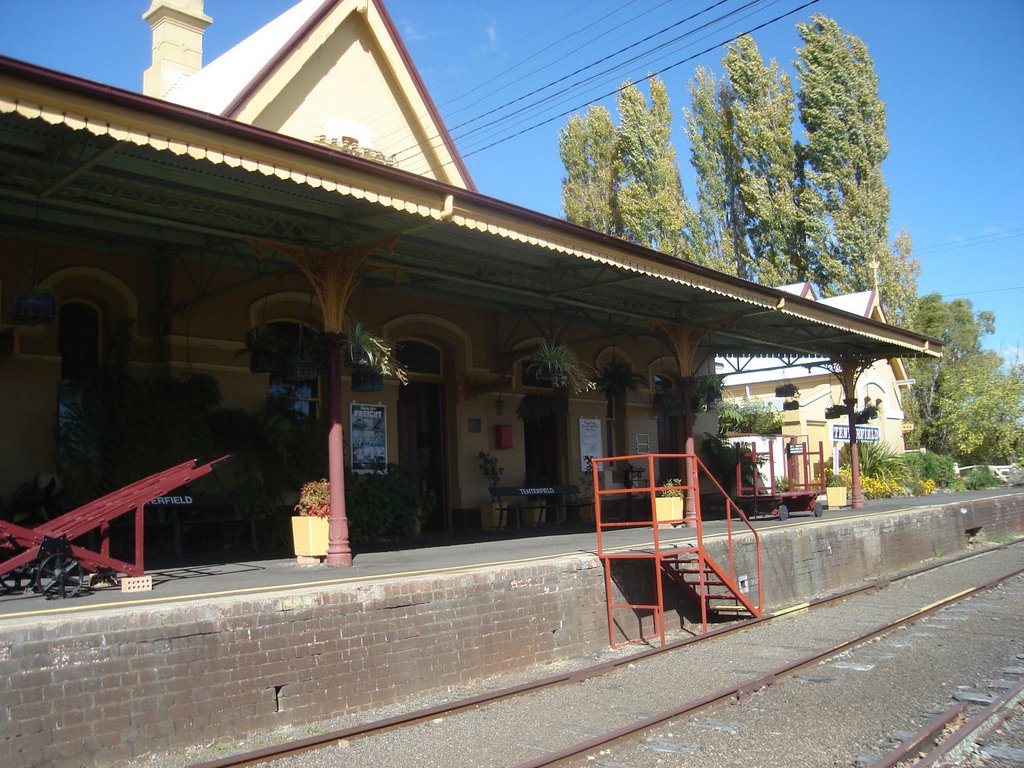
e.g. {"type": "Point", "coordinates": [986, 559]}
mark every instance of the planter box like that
{"type": "Point", "coordinates": [490, 515]}
{"type": "Point", "coordinates": [310, 537]}
{"type": "Point", "coordinates": [836, 497]}
{"type": "Point", "coordinates": [668, 511]}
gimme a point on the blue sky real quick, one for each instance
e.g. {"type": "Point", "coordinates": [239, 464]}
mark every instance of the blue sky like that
{"type": "Point", "coordinates": [949, 72]}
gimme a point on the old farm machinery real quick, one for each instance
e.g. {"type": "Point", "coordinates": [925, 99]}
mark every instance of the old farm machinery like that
{"type": "Point", "coordinates": [53, 557]}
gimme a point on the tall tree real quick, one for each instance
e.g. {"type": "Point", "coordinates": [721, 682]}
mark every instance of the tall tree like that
{"type": "Point", "coordinates": [762, 119]}
{"type": "Point", "coordinates": [720, 233]}
{"type": "Point", "coordinates": [844, 123]}
{"type": "Point", "coordinates": [650, 191]}
{"type": "Point", "coordinates": [968, 404]}
{"type": "Point", "coordinates": [587, 146]}
{"type": "Point", "coordinates": [625, 181]}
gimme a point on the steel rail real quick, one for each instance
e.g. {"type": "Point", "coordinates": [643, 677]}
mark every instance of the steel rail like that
{"type": "Point", "coordinates": [755, 684]}
{"type": "Point", "coordinates": [280, 751]}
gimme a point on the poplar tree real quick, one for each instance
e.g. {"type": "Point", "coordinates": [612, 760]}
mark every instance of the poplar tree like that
{"type": "Point", "coordinates": [587, 148]}
{"type": "Point", "coordinates": [761, 106]}
{"type": "Point", "coordinates": [625, 180]}
{"type": "Point", "coordinates": [844, 125]}
{"type": "Point", "coordinates": [720, 232]}
{"type": "Point", "coordinates": [650, 192]}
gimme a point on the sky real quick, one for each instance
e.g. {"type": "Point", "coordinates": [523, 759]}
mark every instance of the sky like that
{"type": "Point", "coordinates": [950, 74]}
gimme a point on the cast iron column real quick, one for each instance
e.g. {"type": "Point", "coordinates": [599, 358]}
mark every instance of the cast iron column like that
{"type": "Point", "coordinates": [338, 550]}
{"type": "Point", "coordinates": [856, 497]}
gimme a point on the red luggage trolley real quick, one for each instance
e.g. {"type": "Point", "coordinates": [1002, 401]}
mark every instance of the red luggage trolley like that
{"type": "Point", "coordinates": [48, 557]}
{"type": "Point", "coordinates": [798, 491]}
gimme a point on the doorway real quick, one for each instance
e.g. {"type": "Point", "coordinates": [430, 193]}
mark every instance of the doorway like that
{"type": "Point", "coordinates": [421, 445]}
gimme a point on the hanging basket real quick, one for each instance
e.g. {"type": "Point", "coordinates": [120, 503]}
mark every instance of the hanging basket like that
{"type": "Point", "coordinates": [34, 308]}
{"type": "Point", "coordinates": [791, 405]}
{"type": "Point", "coordinates": [356, 358]}
{"type": "Point", "coordinates": [786, 390]}
{"type": "Point", "coordinates": [835, 412]}
{"type": "Point", "coordinates": [301, 370]}
{"type": "Point", "coordinates": [367, 380]}
{"type": "Point", "coordinates": [265, 362]}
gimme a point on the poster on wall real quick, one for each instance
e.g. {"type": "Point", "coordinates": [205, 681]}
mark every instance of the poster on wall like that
{"type": "Point", "coordinates": [591, 446]}
{"type": "Point", "coordinates": [368, 437]}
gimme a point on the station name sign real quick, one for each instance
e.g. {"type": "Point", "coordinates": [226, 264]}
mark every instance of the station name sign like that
{"type": "Point", "coordinates": [865, 434]}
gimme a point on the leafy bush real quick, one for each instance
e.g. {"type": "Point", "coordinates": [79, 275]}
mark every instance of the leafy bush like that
{"type": "Point", "coordinates": [981, 477]}
{"type": "Point", "coordinates": [875, 488]}
{"type": "Point", "coordinates": [923, 487]}
{"type": "Point", "coordinates": [756, 417]}
{"type": "Point", "coordinates": [941, 470]}
{"type": "Point", "coordinates": [388, 504]}
{"type": "Point", "coordinates": [882, 462]}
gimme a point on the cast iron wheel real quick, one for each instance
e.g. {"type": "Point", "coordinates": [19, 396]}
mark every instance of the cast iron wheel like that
{"type": "Point", "coordinates": [819, 508]}
{"type": "Point", "coordinates": [783, 512]}
{"type": "Point", "coordinates": [15, 581]}
{"type": "Point", "coordinates": [59, 576]}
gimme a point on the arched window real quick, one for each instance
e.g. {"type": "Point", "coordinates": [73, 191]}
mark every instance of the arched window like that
{"type": "Point", "coordinates": [417, 357]}
{"type": "Point", "coordinates": [297, 384]}
{"type": "Point", "coordinates": [79, 338]}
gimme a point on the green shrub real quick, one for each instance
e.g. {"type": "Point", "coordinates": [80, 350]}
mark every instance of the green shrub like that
{"type": "Point", "coordinates": [385, 505]}
{"type": "Point", "coordinates": [882, 462]}
{"type": "Point", "coordinates": [748, 417]}
{"type": "Point", "coordinates": [932, 466]}
{"type": "Point", "coordinates": [981, 477]}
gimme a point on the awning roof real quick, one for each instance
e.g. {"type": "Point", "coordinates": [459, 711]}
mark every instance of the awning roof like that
{"type": "Point", "coordinates": [98, 165]}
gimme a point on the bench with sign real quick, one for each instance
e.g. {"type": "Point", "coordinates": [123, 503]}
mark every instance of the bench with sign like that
{"type": "Point", "coordinates": [552, 503]}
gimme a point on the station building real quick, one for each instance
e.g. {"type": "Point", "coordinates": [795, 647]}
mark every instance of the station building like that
{"type": "Point", "coordinates": [305, 181]}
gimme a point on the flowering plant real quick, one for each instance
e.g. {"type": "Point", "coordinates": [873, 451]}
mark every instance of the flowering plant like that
{"type": "Point", "coordinates": [315, 498]}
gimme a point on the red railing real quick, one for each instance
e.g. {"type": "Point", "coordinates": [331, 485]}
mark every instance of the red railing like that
{"type": "Point", "coordinates": [614, 509]}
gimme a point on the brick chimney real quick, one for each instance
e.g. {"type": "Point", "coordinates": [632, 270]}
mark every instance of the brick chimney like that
{"type": "Point", "coordinates": [178, 27]}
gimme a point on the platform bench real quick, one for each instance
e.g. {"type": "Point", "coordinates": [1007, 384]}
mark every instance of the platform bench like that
{"type": "Point", "coordinates": [555, 504]}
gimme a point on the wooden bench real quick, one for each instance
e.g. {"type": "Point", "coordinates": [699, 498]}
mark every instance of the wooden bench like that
{"type": "Point", "coordinates": [555, 504]}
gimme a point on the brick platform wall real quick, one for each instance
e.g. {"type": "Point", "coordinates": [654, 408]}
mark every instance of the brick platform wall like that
{"type": "Point", "coordinates": [105, 688]}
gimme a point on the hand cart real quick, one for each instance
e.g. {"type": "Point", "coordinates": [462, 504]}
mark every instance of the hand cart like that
{"type": "Point", "coordinates": [797, 490]}
{"type": "Point", "coordinates": [48, 557]}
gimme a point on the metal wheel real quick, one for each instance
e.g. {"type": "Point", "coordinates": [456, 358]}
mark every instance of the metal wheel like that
{"type": "Point", "coordinates": [783, 512]}
{"type": "Point", "coordinates": [819, 508]}
{"type": "Point", "coordinates": [15, 581]}
{"type": "Point", "coordinates": [59, 576]}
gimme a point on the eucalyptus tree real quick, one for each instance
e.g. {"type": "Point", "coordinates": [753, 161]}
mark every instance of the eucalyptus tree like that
{"type": "Point", "coordinates": [970, 403]}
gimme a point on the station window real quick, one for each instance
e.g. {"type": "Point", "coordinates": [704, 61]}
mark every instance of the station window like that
{"type": "Point", "coordinates": [417, 357]}
{"type": "Point", "coordinates": [301, 395]}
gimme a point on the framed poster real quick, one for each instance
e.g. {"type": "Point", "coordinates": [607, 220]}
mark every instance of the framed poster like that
{"type": "Point", "coordinates": [591, 446]}
{"type": "Point", "coordinates": [368, 437]}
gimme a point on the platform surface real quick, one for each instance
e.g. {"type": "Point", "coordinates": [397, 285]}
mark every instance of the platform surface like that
{"type": "Point", "coordinates": [209, 580]}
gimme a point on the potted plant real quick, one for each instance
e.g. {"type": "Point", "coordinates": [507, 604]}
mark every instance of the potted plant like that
{"type": "Point", "coordinates": [366, 352]}
{"type": "Point", "coordinates": [617, 380]}
{"type": "Point", "coordinates": [490, 510]}
{"type": "Point", "coordinates": [866, 414]}
{"type": "Point", "coordinates": [37, 306]}
{"type": "Point", "coordinates": [790, 405]}
{"type": "Point", "coordinates": [668, 504]}
{"type": "Point", "coordinates": [835, 412]}
{"type": "Point", "coordinates": [786, 390]}
{"type": "Point", "coordinates": [835, 489]}
{"type": "Point", "coordinates": [557, 363]}
{"type": "Point", "coordinates": [707, 391]}
{"type": "Point", "coordinates": [263, 345]}
{"type": "Point", "coordinates": [309, 525]}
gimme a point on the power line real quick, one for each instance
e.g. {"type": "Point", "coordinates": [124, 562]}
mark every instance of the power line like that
{"type": "Point", "coordinates": [970, 242]}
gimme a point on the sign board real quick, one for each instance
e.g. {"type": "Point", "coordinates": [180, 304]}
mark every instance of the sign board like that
{"type": "Point", "coordinates": [591, 446]}
{"type": "Point", "coordinates": [368, 437]}
{"type": "Point", "coordinates": [865, 434]}
{"type": "Point", "coordinates": [795, 449]}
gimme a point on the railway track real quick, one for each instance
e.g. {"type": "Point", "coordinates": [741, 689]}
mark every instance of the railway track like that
{"type": "Point", "coordinates": [661, 702]}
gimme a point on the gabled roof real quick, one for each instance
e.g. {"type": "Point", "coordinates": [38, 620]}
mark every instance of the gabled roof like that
{"type": "Point", "coordinates": [863, 303]}
{"type": "Point", "coordinates": [335, 70]}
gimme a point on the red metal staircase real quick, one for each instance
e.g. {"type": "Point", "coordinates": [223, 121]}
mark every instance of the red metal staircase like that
{"type": "Point", "coordinates": [711, 584]}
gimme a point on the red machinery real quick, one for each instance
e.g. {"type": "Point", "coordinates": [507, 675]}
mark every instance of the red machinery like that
{"type": "Point", "coordinates": [797, 490]}
{"type": "Point", "coordinates": [47, 554]}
